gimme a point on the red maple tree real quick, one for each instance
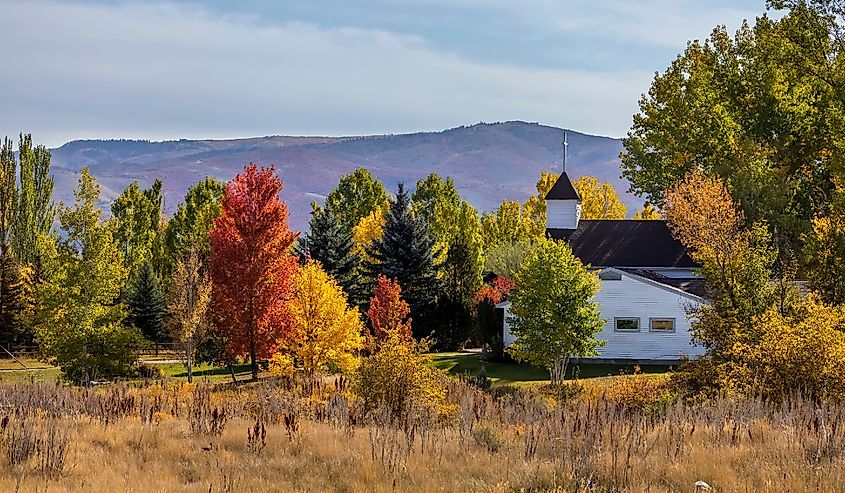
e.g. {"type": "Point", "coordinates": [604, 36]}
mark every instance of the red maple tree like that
{"type": "Point", "coordinates": [388, 312]}
{"type": "Point", "coordinates": [251, 265]}
{"type": "Point", "coordinates": [496, 291]}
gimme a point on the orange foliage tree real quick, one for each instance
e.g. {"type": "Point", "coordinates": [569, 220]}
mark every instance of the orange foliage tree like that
{"type": "Point", "coordinates": [251, 265]}
{"type": "Point", "coordinates": [388, 312]}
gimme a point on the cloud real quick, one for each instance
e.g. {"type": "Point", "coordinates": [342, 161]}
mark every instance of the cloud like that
{"type": "Point", "coordinates": [169, 70]}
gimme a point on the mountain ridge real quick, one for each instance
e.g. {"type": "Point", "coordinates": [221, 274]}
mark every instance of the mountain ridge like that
{"type": "Point", "coordinates": [488, 161]}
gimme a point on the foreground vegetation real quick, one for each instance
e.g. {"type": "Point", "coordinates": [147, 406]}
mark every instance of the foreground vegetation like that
{"type": "Point", "coordinates": [303, 434]}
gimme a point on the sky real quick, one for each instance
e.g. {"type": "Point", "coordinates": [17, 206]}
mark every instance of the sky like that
{"type": "Point", "coordinates": [223, 69]}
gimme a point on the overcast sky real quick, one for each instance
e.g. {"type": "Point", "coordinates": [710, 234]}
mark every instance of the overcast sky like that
{"type": "Point", "coordinates": [222, 68]}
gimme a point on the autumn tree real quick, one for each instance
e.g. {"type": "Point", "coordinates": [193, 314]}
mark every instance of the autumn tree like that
{"type": "Point", "coordinates": [735, 260]}
{"type": "Point", "coordinates": [369, 229]}
{"type": "Point", "coordinates": [763, 109]}
{"type": "Point", "coordinates": [534, 209]}
{"type": "Point", "coordinates": [356, 196]}
{"type": "Point", "coordinates": [330, 242]}
{"type": "Point", "coordinates": [138, 224]}
{"type": "Point", "coordinates": [252, 266]}
{"type": "Point", "coordinates": [505, 224]}
{"type": "Point", "coordinates": [79, 317]}
{"type": "Point", "coordinates": [802, 351]}
{"type": "Point", "coordinates": [488, 319]}
{"type": "Point", "coordinates": [194, 218]}
{"type": "Point", "coordinates": [553, 316]}
{"type": "Point", "coordinates": [599, 199]}
{"type": "Point", "coordinates": [324, 332]}
{"type": "Point", "coordinates": [647, 213]}
{"type": "Point", "coordinates": [406, 253]}
{"type": "Point", "coordinates": [189, 306]}
{"type": "Point", "coordinates": [388, 313]}
{"type": "Point", "coordinates": [146, 303]}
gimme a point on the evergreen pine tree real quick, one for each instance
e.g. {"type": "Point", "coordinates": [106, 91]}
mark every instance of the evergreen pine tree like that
{"type": "Point", "coordinates": [406, 254]}
{"type": "Point", "coordinates": [330, 243]}
{"type": "Point", "coordinates": [146, 303]}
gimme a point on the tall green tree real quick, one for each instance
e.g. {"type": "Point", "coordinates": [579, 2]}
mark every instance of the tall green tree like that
{"type": "Point", "coordinates": [763, 109]}
{"type": "Point", "coordinates": [406, 254]}
{"type": "Point", "coordinates": [193, 220]}
{"type": "Point", "coordinates": [455, 226]}
{"type": "Point", "coordinates": [330, 242]}
{"type": "Point", "coordinates": [357, 195]}
{"type": "Point", "coordinates": [138, 225]}
{"type": "Point", "coordinates": [8, 194]}
{"type": "Point", "coordinates": [146, 304]}
{"type": "Point", "coordinates": [32, 226]}
{"type": "Point", "coordinates": [553, 315]}
{"type": "Point", "coordinates": [79, 318]}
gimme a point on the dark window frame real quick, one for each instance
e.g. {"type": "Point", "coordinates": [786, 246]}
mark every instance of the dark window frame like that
{"type": "Point", "coordinates": [616, 321]}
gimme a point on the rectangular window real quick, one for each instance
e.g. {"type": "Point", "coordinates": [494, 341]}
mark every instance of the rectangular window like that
{"type": "Point", "coordinates": [662, 324]}
{"type": "Point", "coordinates": [627, 324]}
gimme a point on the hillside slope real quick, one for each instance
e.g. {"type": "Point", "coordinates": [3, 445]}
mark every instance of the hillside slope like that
{"type": "Point", "coordinates": [489, 162]}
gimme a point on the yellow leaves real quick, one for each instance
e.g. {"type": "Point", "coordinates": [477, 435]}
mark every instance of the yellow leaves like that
{"type": "Point", "coordinates": [189, 300]}
{"type": "Point", "coordinates": [702, 214]}
{"type": "Point", "coordinates": [282, 365]}
{"type": "Point", "coordinates": [803, 351]}
{"type": "Point", "coordinates": [398, 375]}
{"type": "Point", "coordinates": [648, 213]}
{"type": "Point", "coordinates": [599, 200]}
{"type": "Point", "coordinates": [324, 332]}
{"type": "Point", "coordinates": [369, 229]}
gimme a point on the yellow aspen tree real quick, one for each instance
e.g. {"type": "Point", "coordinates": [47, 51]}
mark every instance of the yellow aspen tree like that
{"type": "Point", "coordinates": [647, 213]}
{"type": "Point", "coordinates": [324, 332]}
{"type": "Point", "coordinates": [599, 200]}
{"type": "Point", "coordinates": [188, 303]}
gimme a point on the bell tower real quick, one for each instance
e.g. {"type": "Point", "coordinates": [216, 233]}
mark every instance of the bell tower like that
{"type": "Point", "coordinates": [563, 204]}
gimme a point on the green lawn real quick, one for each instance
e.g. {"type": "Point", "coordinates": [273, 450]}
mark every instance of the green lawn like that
{"type": "Point", "coordinates": [522, 374]}
{"type": "Point", "coordinates": [454, 363]}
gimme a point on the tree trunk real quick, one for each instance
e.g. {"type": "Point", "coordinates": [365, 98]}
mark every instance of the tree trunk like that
{"type": "Point", "coordinates": [252, 361]}
{"type": "Point", "coordinates": [190, 366]}
{"type": "Point", "coordinates": [558, 370]}
{"type": "Point", "coordinates": [252, 351]}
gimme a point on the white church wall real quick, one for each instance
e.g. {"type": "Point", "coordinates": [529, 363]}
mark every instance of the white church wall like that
{"type": "Point", "coordinates": [632, 298]}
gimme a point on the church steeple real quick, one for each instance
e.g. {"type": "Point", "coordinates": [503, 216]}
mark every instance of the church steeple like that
{"type": "Point", "coordinates": [563, 204]}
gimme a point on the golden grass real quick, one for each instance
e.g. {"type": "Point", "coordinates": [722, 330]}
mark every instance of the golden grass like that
{"type": "Point", "coordinates": [162, 438]}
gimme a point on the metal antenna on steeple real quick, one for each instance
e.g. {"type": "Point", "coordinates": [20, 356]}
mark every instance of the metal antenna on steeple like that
{"type": "Point", "coordinates": [565, 149]}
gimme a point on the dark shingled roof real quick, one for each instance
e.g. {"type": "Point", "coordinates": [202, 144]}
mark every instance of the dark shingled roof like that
{"type": "Point", "coordinates": [696, 286]}
{"type": "Point", "coordinates": [562, 189]}
{"type": "Point", "coordinates": [625, 243]}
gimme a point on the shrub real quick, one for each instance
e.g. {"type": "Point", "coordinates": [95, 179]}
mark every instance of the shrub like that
{"type": "Point", "coordinates": [803, 351]}
{"type": "Point", "coordinates": [640, 391]}
{"type": "Point", "coordinates": [399, 375]}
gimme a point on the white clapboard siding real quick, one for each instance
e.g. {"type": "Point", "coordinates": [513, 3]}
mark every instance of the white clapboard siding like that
{"type": "Point", "coordinates": [563, 214]}
{"type": "Point", "coordinates": [635, 297]}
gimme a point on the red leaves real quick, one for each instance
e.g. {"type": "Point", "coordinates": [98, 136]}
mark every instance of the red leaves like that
{"type": "Point", "coordinates": [496, 291]}
{"type": "Point", "coordinates": [388, 311]}
{"type": "Point", "coordinates": [251, 264]}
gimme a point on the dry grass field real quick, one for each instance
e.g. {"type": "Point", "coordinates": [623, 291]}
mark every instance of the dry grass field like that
{"type": "Point", "coordinates": [313, 435]}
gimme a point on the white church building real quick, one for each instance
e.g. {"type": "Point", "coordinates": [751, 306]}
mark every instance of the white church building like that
{"type": "Point", "coordinates": [648, 281]}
